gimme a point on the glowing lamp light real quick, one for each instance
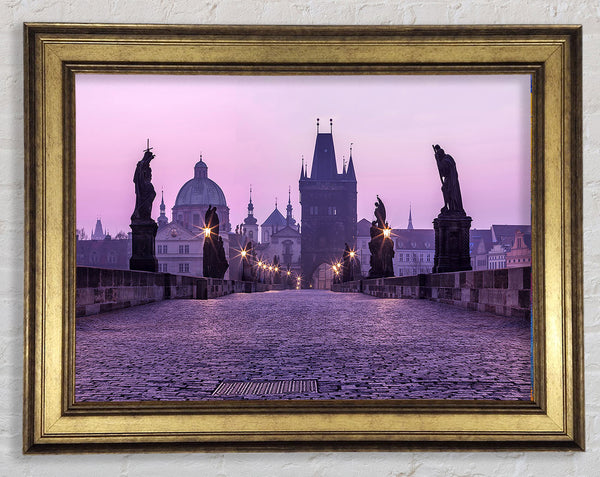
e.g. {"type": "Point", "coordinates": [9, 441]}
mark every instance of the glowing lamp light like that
{"type": "Point", "coordinates": [352, 254]}
{"type": "Point", "coordinates": [260, 264]}
{"type": "Point", "coordinates": [387, 232]}
{"type": "Point", "coordinates": [206, 231]}
{"type": "Point", "coordinates": [244, 253]}
{"type": "Point", "coordinates": [270, 267]}
{"type": "Point", "coordinates": [289, 273]}
{"type": "Point", "coordinates": [276, 269]}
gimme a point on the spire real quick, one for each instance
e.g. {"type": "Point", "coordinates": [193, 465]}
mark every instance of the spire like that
{"type": "Point", "coordinates": [317, 125]}
{"type": "Point", "coordinates": [302, 176]}
{"type": "Point", "coordinates": [288, 218]}
{"type": "Point", "coordinates": [162, 218]}
{"type": "Point", "coordinates": [344, 165]}
{"type": "Point", "coordinates": [330, 126]}
{"type": "Point", "coordinates": [323, 164]}
{"type": "Point", "coordinates": [410, 225]}
{"type": "Point", "coordinates": [250, 204]}
{"type": "Point", "coordinates": [98, 233]}
{"type": "Point", "coordinates": [350, 174]}
{"type": "Point", "coordinates": [250, 219]}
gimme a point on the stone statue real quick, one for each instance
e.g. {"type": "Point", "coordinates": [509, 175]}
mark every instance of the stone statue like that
{"type": "Point", "coordinates": [380, 246]}
{"type": "Point", "coordinates": [214, 261]}
{"type": "Point", "coordinates": [143, 227]}
{"type": "Point", "coordinates": [380, 213]}
{"type": "Point", "coordinates": [144, 190]}
{"type": "Point", "coordinates": [450, 186]}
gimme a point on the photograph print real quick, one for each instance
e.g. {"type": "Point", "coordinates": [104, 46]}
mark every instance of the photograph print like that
{"type": "Point", "coordinates": [305, 237]}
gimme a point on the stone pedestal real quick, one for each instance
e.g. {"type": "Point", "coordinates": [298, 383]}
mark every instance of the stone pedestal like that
{"type": "Point", "coordinates": [451, 243]}
{"type": "Point", "coordinates": [143, 255]}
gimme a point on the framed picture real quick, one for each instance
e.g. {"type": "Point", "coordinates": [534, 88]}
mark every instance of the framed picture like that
{"type": "Point", "coordinates": [346, 325]}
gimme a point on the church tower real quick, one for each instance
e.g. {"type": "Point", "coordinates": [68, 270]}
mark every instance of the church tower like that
{"type": "Point", "coordinates": [328, 201]}
{"type": "Point", "coordinates": [162, 218]}
{"type": "Point", "coordinates": [289, 219]}
{"type": "Point", "coordinates": [250, 227]}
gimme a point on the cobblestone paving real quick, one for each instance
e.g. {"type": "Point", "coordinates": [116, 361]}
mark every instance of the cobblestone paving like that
{"type": "Point", "coordinates": [356, 346]}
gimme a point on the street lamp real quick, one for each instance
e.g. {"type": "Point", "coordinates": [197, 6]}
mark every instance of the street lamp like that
{"type": "Point", "coordinates": [206, 231]}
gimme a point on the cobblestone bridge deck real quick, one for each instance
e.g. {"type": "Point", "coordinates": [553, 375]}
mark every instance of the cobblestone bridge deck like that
{"type": "Point", "coordinates": [337, 346]}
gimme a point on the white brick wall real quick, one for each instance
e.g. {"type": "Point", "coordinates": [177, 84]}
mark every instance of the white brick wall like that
{"type": "Point", "coordinates": [14, 12]}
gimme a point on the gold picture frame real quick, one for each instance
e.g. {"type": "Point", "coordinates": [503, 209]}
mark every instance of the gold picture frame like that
{"type": "Point", "coordinates": [53, 422]}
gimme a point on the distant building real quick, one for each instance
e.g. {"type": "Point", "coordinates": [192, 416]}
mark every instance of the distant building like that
{"type": "Point", "coordinates": [328, 201]}
{"type": "Point", "coordinates": [193, 200]}
{"type": "Point", "coordinates": [281, 237]}
{"type": "Point", "coordinates": [480, 243]}
{"type": "Point", "coordinates": [98, 233]}
{"type": "Point", "coordinates": [520, 253]}
{"type": "Point", "coordinates": [274, 223]}
{"type": "Point", "coordinates": [179, 243]}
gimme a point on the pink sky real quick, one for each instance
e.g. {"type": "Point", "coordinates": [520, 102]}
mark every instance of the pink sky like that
{"type": "Point", "coordinates": [254, 130]}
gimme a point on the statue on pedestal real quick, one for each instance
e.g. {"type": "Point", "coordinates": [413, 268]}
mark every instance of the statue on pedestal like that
{"type": "Point", "coordinates": [381, 245]}
{"type": "Point", "coordinates": [214, 261]}
{"type": "Point", "coordinates": [143, 227]}
{"type": "Point", "coordinates": [452, 224]}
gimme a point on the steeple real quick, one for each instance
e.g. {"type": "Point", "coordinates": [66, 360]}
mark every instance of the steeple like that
{"type": "Point", "coordinates": [250, 219]}
{"type": "Point", "coordinates": [289, 221]}
{"type": "Point", "coordinates": [250, 204]}
{"type": "Point", "coordinates": [410, 225]}
{"type": "Point", "coordinates": [98, 233]}
{"type": "Point", "coordinates": [323, 165]}
{"type": "Point", "coordinates": [162, 218]}
{"type": "Point", "coordinates": [302, 175]}
{"type": "Point", "coordinates": [350, 174]}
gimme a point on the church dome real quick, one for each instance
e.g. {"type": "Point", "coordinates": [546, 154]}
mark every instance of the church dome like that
{"type": "Point", "coordinates": [200, 190]}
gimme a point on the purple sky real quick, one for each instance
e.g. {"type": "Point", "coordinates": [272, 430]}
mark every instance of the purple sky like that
{"type": "Point", "coordinates": [254, 130]}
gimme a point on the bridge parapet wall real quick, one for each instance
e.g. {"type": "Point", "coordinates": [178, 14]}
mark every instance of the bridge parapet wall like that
{"type": "Point", "coordinates": [100, 290]}
{"type": "Point", "coordinates": [504, 292]}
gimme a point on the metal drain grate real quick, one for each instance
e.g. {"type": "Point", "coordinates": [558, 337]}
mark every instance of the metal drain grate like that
{"type": "Point", "coordinates": [241, 388]}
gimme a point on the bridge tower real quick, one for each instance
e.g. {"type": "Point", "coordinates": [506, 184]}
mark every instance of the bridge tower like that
{"type": "Point", "coordinates": [328, 202]}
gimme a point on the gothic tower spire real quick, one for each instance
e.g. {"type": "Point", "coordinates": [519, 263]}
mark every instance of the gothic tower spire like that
{"type": "Point", "coordinates": [410, 225]}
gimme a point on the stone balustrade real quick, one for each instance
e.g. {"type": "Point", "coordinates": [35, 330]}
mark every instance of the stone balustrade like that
{"type": "Point", "coordinates": [504, 292]}
{"type": "Point", "coordinates": [99, 290]}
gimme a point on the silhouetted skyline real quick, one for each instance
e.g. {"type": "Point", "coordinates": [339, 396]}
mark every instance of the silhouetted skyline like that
{"type": "Point", "coordinates": [255, 130]}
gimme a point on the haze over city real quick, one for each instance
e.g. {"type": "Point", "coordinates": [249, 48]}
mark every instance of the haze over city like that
{"type": "Point", "coordinates": [254, 130]}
